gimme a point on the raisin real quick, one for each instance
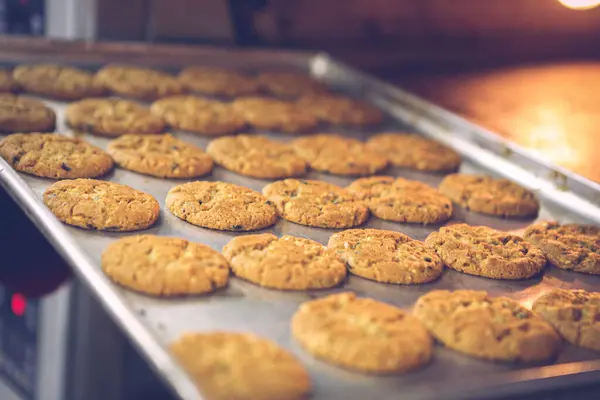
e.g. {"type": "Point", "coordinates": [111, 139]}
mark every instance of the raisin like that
{"type": "Point", "coordinates": [65, 167]}
{"type": "Point", "coordinates": [174, 167]}
{"type": "Point", "coordinates": [427, 259]}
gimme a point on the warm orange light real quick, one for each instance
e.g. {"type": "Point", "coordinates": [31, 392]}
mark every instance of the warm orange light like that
{"type": "Point", "coordinates": [580, 4]}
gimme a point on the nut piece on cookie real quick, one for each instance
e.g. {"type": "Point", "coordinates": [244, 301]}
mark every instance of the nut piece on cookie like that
{"type": "Point", "coordinates": [163, 156]}
{"type": "Point", "coordinates": [112, 117]}
{"type": "Point", "coordinates": [241, 366]}
{"type": "Point", "coordinates": [487, 195]}
{"type": "Point", "coordinates": [7, 83]}
{"type": "Point", "coordinates": [362, 334]}
{"type": "Point", "coordinates": [286, 263]}
{"type": "Point", "coordinates": [222, 206]}
{"type": "Point", "coordinates": [339, 110]}
{"type": "Point", "coordinates": [492, 328]}
{"type": "Point", "coordinates": [217, 81]}
{"type": "Point", "coordinates": [386, 256]}
{"type": "Point", "coordinates": [198, 115]}
{"type": "Point", "coordinates": [402, 200]}
{"type": "Point", "coordinates": [257, 157]}
{"type": "Point", "coordinates": [316, 203]}
{"type": "Point", "coordinates": [23, 114]}
{"type": "Point", "coordinates": [415, 152]}
{"type": "Point", "coordinates": [138, 83]}
{"type": "Point", "coordinates": [572, 247]}
{"type": "Point", "coordinates": [100, 205]}
{"type": "Point", "coordinates": [575, 314]}
{"type": "Point", "coordinates": [289, 84]}
{"type": "Point", "coordinates": [483, 251]}
{"type": "Point", "coordinates": [274, 115]}
{"type": "Point", "coordinates": [339, 155]}
{"type": "Point", "coordinates": [57, 81]}
{"type": "Point", "coordinates": [165, 266]}
{"type": "Point", "coordinates": [54, 156]}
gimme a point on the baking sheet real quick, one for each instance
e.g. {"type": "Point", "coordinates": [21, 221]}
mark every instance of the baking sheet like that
{"type": "Point", "coordinates": [154, 322]}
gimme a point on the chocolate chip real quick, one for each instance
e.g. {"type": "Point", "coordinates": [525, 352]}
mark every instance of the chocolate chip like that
{"type": "Point", "coordinates": [65, 167]}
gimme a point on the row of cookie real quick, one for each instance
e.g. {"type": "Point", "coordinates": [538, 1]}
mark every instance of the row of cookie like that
{"type": "Point", "coordinates": [366, 335]}
{"type": "Point", "coordinates": [70, 83]}
{"type": "Point", "coordinates": [114, 117]}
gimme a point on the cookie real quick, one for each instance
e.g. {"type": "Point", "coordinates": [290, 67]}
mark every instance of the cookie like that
{"type": "Point", "coordinates": [57, 81]}
{"type": "Point", "coordinates": [386, 256]}
{"type": "Point", "coordinates": [194, 114]}
{"type": "Point", "coordinates": [575, 314]}
{"type": "Point", "coordinates": [339, 110]}
{"type": "Point", "coordinates": [339, 155]}
{"type": "Point", "coordinates": [257, 157]}
{"type": "Point", "coordinates": [138, 83]}
{"type": "Point", "coordinates": [54, 156]}
{"type": "Point", "coordinates": [112, 117]}
{"type": "Point", "coordinates": [240, 366]}
{"type": "Point", "coordinates": [572, 247]}
{"type": "Point", "coordinates": [402, 200]}
{"type": "Point", "coordinates": [487, 195]}
{"type": "Point", "coordinates": [105, 206]}
{"type": "Point", "coordinates": [483, 251]}
{"type": "Point", "coordinates": [275, 115]}
{"type": "Point", "coordinates": [217, 81]}
{"type": "Point", "coordinates": [163, 156]}
{"type": "Point", "coordinates": [492, 328]}
{"type": "Point", "coordinates": [286, 263]}
{"type": "Point", "coordinates": [415, 152]}
{"type": "Point", "coordinates": [289, 84]}
{"type": "Point", "coordinates": [22, 114]}
{"type": "Point", "coordinates": [7, 83]}
{"type": "Point", "coordinates": [362, 334]}
{"type": "Point", "coordinates": [222, 206]}
{"type": "Point", "coordinates": [165, 266]}
{"type": "Point", "coordinates": [316, 203]}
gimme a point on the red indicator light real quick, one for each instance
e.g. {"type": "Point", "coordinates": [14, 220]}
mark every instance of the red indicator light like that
{"type": "Point", "coordinates": [18, 304]}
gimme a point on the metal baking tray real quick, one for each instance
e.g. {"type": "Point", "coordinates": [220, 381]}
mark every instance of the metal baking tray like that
{"type": "Point", "coordinates": [153, 322]}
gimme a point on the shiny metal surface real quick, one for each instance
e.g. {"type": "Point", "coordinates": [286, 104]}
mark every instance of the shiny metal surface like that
{"type": "Point", "coordinates": [153, 322]}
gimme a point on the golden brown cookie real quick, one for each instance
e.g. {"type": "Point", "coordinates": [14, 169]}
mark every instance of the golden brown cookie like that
{"type": "Point", "coordinates": [572, 247]}
{"type": "Point", "coordinates": [195, 114]}
{"type": "Point", "coordinates": [289, 84]}
{"type": "Point", "coordinates": [165, 266]}
{"type": "Point", "coordinates": [275, 115]}
{"type": "Point", "coordinates": [217, 81]}
{"type": "Point", "coordinates": [487, 195]}
{"type": "Point", "coordinates": [339, 110]}
{"type": "Point", "coordinates": [138, 83]}
{"type": "Point", "coordinates": [256, 156]}
{"type": "Point", "coordinates": [339, 155]}
{"type": "Point", "coordinates": [112, 117]}
{"type": "Point", "coordinates": [222, 206]}
{"type": "Point", "coordinates": [575, 314]}
{"type": "Point", "coordinates": [57, 81]}
{"type": "Point", "coordinates": [286, 263]}
{"type": "Point", "coordinates": [163, 156]}
{"type": "Point", "coordinates": [7, 83]}
{"type": "Point", "coordinates": [415, 152]}
{"type": "Point", "coordinates": [54, 156]}
{"type": "Point", "coordinates": [493, 328]}
{"type": "Point", "coordinates": [386, 256]}
{"type": "Point", "coordinates": [402, 200]}
{"type": "Point", "coordinates": [316, 203]}
{"type": "Point", "coordinates": [483, 251]}
{"type": "Point", "coordinates": [362, 334]}
{"type": "Point", "coordinates": [22, 114]}
{"type": "Point", "coordinates": [101, 205]}
{"type": "Point", "coordinates": [241, 366]}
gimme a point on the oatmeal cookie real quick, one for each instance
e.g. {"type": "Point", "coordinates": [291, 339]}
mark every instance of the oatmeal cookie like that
{"type": "Point", "coordinates": [286, 263]}
{"type": "Point", "coordinates": [493, 328]}
{"type": "Point", "coordinates": [7, 83]}
{"type": "Point", "coordinates": [218, 81]}
{"type": "Point", "coordinates": [275, 115]}
{"type": "Point", "coordinates": [316, 203]}
{"type": "Point", "coordinates": [54, 156]}
{"type": "Point", "coordinates": [22, 114]}
{"type": "Point", "coordinates": [402, 200]}
{"type": "Point", "coordinates": [339, 110]}
{"type": "Point", "coordinates": [289, 84]}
